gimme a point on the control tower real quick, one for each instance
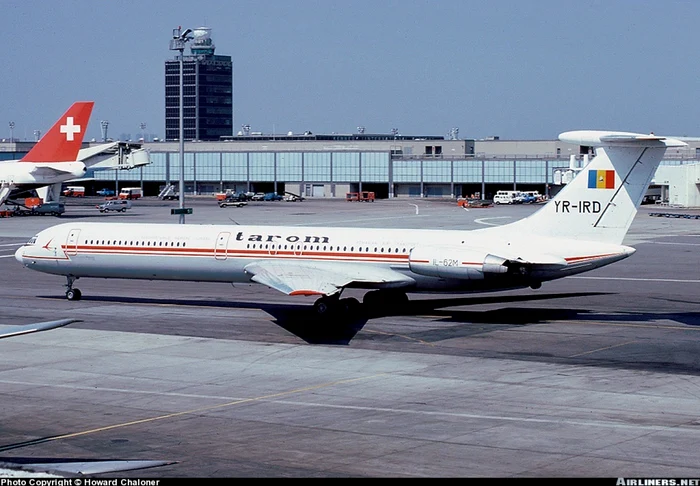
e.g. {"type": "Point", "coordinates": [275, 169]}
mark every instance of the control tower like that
{"type": "Point", "coordinates": [207, 92]}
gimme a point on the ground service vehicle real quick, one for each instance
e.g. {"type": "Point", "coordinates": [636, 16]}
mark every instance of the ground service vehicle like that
{"type": "Point", "coordinates": [45, 209]}
{"type": "Point", "coordinates": [237, 200]}
{"type": "Point", "coordinates": [272, 196]}
{"type": "Point", "coordinates": [232, 202]}
{"type": "Point", "coordinates": [105, 192]}
{"type": "Point", "coordinates": [114, 205]}
{"type": "Point", "coordinates": [74, 191]}
{"type": "Point", "coordinates": [291, 197]}
{"type": "Point", "coordinates": [130, 193]}
{"type": "Point", "coordinates": [366, 196]}
{"type": "Point", "coordinates": [474, 203]}
{"type": "Point", "coordinates": [49, 208]}
{"type": "Point", "coordinates": [526, 198]}
{"type": "Point", "coordinates": [505, 197]}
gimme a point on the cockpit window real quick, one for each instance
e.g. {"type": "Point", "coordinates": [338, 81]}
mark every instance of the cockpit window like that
{"type": "Point", "coordinates": [32, 241]}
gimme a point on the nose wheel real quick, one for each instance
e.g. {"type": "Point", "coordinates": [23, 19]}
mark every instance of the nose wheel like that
{"type": "Point", "coordinates": [71, 293]}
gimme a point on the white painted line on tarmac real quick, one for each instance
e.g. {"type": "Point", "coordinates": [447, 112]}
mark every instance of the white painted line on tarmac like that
{"type": "Point", "coordinates": [483, 220]}
{"type": "Point", "coordinates": [677, 244]}
{"type": "Point", "coordinates": [7, 256]}
{"type": "Point", "coordinates": [673, 280]}
{"type": "Point", "coordinates": [276, 398]}
{"type": "Point", "coordinates": [354, 220]}
{"type": "Point", "coordinates": [13, 244]}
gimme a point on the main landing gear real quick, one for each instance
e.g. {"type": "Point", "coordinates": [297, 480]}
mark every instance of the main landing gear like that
{"type": "Point", "coordinates": [333, 304]}
{"type": "Point", "coordinates": [71, 293]}
{"type": "Point", "coordinates": [385, 298]}
{"type": "Point", "coordinates": [349, 307]}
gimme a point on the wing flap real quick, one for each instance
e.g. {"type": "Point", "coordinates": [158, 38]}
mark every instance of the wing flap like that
{"type": "Point", "coordinates": [323, 278]}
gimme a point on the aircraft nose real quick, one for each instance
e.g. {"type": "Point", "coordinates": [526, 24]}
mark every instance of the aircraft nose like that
{"type": "Point", "coordinates": [19, 254]}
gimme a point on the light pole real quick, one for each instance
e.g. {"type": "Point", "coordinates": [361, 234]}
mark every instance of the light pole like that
{"type": "Point", "coordinates": [12, 131]}
{"type": "Point", "coordinates": [178, 44]}
{"type": "Point", "coordinates": [143, 139]}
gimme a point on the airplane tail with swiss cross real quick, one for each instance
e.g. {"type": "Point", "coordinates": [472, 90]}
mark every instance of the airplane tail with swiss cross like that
{"type": "Point", "coordinates": [602, 200]}
{"type": "Point", "coordinates": [63, 141]}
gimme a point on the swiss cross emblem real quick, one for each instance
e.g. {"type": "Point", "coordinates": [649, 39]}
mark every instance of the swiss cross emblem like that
{"type": "Point", "coordinates": [69, 129]}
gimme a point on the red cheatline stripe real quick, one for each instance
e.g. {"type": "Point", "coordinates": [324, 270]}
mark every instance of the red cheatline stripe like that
{"type": "Point", "coordinates": [591, 257]}
{"type": "Point", "coordinates": [209, 252]}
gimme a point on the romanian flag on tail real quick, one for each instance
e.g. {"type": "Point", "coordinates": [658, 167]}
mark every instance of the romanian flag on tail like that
{"type": "Point", "coordinates": [601, 179]}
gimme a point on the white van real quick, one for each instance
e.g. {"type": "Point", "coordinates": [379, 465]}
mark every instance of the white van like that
{"type": "Point", "coordinates": [505, 197]}
{"type": "Point", "coordinates": [114, 205]}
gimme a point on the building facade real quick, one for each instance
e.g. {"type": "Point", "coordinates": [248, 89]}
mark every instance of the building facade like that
{"type": "Point", "coordinates": [389, 165]}
{"type": "Point", "coordinates": [403, 166]}
{"type": "Point", "coordinates": [207, 92]}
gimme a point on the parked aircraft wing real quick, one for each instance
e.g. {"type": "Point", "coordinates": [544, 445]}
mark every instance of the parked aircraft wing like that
{"type": "Point", "coordinates": [10, 331]}
{"type": "Point", "coordinates": [77, 467]}
{"type": "Point", "coordinates": [323, 278]}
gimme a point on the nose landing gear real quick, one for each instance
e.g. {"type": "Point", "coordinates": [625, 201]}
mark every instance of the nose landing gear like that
{"type": "Point", "coordinates": [71, 293]}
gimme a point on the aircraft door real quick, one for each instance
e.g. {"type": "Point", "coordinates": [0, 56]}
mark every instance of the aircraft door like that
{"type": "Point", "coordinates": [221, 245]}
{"type": "Point", "coordinates": [72, 242]}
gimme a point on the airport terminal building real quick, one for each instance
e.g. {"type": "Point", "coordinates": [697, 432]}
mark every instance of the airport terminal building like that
{"type": "Point", "coordinates": [391, 165]}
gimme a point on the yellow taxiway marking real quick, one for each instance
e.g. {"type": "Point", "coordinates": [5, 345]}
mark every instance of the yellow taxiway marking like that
{"type": "Point", "coordinates": [601, 349]}
{"type": "Point", "coordinates": [187, 412]}
{"type": "Point", "coordinates": [409, 338]}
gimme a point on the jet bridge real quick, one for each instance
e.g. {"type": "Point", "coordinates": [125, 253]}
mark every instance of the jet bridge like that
{"type": "Point", "coordinates": [114, 155]}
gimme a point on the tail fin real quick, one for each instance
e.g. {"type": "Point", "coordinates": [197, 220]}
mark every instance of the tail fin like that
{"type": "Point", "coordinates": [602, 200]}
{"type": "Point", "coordinates": [63, 141]}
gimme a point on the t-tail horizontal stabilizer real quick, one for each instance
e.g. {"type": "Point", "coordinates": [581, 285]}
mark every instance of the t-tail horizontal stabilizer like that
{"type": "Point", "coordinates": [598, 138]}
{"type": "Point", "coordinates": [602, 200]}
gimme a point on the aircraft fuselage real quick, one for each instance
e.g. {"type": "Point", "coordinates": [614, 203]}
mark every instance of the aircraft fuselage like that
{"type": "Point", "coordinates": [431, 259]}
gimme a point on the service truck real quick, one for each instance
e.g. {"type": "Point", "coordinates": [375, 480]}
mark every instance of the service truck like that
{"type": "Point", "coordinates": [130, 193]}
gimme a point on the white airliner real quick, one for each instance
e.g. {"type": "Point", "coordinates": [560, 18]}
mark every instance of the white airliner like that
{"type": "Point", "coordinates": [53, 159]}
{"type": "Point", "coordinates": [582, 228]}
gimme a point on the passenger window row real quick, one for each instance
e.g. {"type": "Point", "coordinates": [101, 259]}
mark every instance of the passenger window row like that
{"type": "Point", "coordinates": [319, 248]}
{"type": "Point", "coordinates": [134, 243]}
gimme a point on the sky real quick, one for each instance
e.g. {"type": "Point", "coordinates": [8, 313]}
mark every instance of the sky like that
{"type": "Point", "coordinates": [508, 68]}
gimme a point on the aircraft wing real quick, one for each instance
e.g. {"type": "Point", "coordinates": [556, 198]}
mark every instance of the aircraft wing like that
{"type": "Point", "coordinates": [10, 331]}
{"type": "Point", "coordinates": [323, 278]}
